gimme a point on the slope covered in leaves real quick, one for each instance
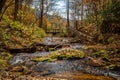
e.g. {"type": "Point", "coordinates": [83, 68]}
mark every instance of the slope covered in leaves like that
{"type": "Point", "coordinates": [15, 34]}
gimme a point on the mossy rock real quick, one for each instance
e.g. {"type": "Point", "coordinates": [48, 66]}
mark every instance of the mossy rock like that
{"type": "Point", "coordinates": [67, 54]}
{"type": "Point", "coordinates": [62, 54]}
{"type": "Point", "coordinates": [103, 54]}
{"type": "Point", "coordinates": [54, 55]}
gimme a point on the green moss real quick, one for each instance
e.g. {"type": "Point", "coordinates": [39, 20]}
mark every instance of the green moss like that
{"type": "Point", "coordinates": [5, 55]}
{"type": "Point", "coordinates": [110, 40]}
{"type": "Point", "coordinates": [81, 55]}
{"type": "Point", "coordinates": [103, 54]}
{"type": "Point", "coordinates": [53, 55]}
{"type": "Point", "coordinates": [61, 55]}
{"type": "Point", "coordinates": [70, 56]}
{"type": "Point", "coordinates": [99, 53]}
{"type": "Point", "coordinates": [3, 63]}
{"type": "Point", "coordinates": [112, 66]}
{"type": "Point", "coordinates": [42, 59]}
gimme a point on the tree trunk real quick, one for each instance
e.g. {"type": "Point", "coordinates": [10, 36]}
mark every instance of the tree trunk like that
{"type": "Point", "coordinates": [41, 13]}
{"type": "Point", "coordinates": [88, 12]}
{"type": "Point", "coordinates": [76, 24]}
{"type": "Point", "coordinates": [20, 9]}
{"type": "Point", "coordinates": [16, 8]}
{"type": "Point", "coordinates": [68, 23]}
{"type": "Point", "coordinates": [2, 3]}
{"type": "Point", "coordinates": [96, 13]}
{"type": "Point", "coordinates": [82, 13]}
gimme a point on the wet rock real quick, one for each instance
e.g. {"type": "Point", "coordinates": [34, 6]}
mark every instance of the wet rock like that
{"type": "Point", "coordinates": [25, 58]}
{"type": "Point", "coordinates": [55, 67]}
{"type": "Point", "coordinates": [19, 59]}
{"type": "Point", "coordinates": [96, 62]}
{"type": "Point", "coordinates": [17, 69]}
{"type": "Point", "coordinates": [22, 69]}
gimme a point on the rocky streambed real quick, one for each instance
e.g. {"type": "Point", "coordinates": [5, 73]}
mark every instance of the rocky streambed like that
{"type": "Point", "coordinates": [66, 69]}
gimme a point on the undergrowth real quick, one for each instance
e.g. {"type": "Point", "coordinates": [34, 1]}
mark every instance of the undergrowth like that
{"type": "Point", "coordinates": [16, 34]}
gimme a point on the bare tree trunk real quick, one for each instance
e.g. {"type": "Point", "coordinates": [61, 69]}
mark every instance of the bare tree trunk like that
{"type": "Point", "coordinates": [96, 13]}
{"type": "Point", "coordinates": [88, 12]}
{"type": "Point", "coordinates": [68, 23]}
{"type": "Point", "coordinates": [16, 9]}
{"type": "Point", "coordinates": [76, 24]}
{"type": "Point", "coordinates": [82, 13]}
{"type": "Point", "coordinates": [20, 9]}
{"type": "Point", "coordinates": [41, 13]}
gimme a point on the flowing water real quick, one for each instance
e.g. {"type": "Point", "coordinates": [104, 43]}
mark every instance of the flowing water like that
{"type": "Point", "coordinates": [64, 69]}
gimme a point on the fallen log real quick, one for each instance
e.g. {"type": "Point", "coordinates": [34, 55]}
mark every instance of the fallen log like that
{"type": "Point", "coordinates": [22, 50]}
{"type": "Point", "coordinates": [33, 48]}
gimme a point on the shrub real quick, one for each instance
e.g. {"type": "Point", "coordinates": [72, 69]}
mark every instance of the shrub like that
{"type": "Point", "coordinates": [14, 33]}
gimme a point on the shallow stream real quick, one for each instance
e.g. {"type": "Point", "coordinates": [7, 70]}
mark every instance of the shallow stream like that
{"type": "Point", "coordinates": [64, 69]}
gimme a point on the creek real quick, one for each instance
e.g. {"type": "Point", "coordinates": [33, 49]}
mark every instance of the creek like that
{"type": "Point", "coordinates": [63, 69]}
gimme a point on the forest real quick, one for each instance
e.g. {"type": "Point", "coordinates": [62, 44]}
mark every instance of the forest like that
{"type": "Point", "coordinates": [59, 39]}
